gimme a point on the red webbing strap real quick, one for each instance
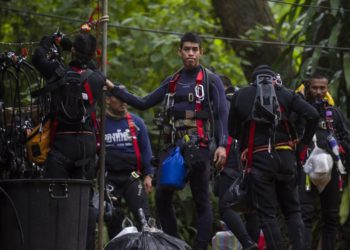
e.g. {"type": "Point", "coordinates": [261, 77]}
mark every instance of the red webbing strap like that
{"type": "Point", "coordinates": [198, 107]}
{"type": "Point", "coordinates": [172, 83]}
{"type": "Point", "coordinates": [134, 141]}
{"type": "Point", "coordinates": [252, 128]}
{"type": "Point", "coordinates": [229, 144]}
{"type": "Point", "coordinates": [90, 98]}
{"type": "Point", "coordinates": [91, 102]}
{"type": "Point", "coordinates": [228, 147]}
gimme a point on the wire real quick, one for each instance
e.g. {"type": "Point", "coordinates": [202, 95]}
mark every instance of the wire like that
{"type": "Point", "coordinates": [20, 44]}
{"type": "Point", "coordinates": [230, 39]}
{"type": "Point", "coordinates": [308, 6]}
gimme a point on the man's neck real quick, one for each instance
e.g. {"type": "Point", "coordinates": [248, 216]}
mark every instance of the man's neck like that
{"type": "Point", "coordinates": [192, 70]}
{"type": "Point", "coordinates": [116, 116]}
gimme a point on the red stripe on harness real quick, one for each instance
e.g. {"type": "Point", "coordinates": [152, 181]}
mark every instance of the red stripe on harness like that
{"type": "Point", "coordinates": [134, 141]}
{"type": "Point", "coordinates": [198, 107]}
{"type": "Point", "coordinates": [252, 128]}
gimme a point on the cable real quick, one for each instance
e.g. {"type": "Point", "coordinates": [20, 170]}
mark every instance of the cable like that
{"type": "Point", "coordinates": [230, 39]}
{"type": "Point", "coordinates": [16, 215]}
{"type": "Point", "coordinates": [308, 6]}
{"type": "Point", "coordinates": [20, 44]}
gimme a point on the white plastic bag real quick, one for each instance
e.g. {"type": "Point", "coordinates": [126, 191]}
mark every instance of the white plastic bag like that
{"type": "Point", "coordinates": [128, 228]}
{"type": "Point", "coordinates": [319, 167]}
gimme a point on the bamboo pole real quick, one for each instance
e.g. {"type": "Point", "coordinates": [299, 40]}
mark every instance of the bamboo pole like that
{"type": "Point", "coordinates": [104, 21]}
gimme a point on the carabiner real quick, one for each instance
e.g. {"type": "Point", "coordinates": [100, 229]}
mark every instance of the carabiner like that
{"type": "Point", "coordinates": [199, 91]}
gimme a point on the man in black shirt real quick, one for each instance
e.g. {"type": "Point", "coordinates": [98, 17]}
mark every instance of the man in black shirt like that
{"type": "Point", "coordinates": [331, 129]}
{"type": "Point", "coordinates": [269, 149]}
{"type": "Point", "coordinates": [73, 146]}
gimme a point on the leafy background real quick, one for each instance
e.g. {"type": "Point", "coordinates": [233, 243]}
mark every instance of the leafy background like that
{"type": "Point", "coordinates": [141, 59]}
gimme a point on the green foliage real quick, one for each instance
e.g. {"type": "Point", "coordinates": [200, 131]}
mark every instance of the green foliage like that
{"type": "Point", "coordinates": [323, 27]}
{"type": "Point", "coordinates": [143, 39]}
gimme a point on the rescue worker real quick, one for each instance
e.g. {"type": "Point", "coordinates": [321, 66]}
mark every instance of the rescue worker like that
{"type": "Point", "coordinates": [331, 125]}
{"type": "Point", "coordinates": [73, 149]}
{"type": "Point", "coordinates": [193, 108]}
{"type": "Point", "coordinates": [129, 172]}
{"type": "Point", "coordinates": [259, 120]}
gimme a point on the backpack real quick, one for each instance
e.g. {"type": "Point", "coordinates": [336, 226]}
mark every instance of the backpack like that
{"type": "Point", "coordinates": [70, 98]}
{"type": "Point", "coordinates": [266, 108]}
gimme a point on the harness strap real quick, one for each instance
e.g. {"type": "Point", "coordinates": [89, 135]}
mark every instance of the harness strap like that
{"type": "Point", "coordinates": [85, 75]}
{"type": "Point", "coordinates": [199, 106]}
{"type": "Point", "coordinates": [289, 145]}
{"type": "Point", "coordinates": [228, 147]}
{"type": "Point", "coordinates": [134, 141]}
{"type": "Point", "coordinates": [91, 102]}
{"type": "Point", "coordinates": [172, 83]}
{"type": "Point", "coordinates": [189, 114]}
{"type": "Point", "coordinates": [250, 152]}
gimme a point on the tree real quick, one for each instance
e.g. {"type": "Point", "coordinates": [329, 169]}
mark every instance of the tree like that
{"type": "Point", "coordinates": [249, 19]}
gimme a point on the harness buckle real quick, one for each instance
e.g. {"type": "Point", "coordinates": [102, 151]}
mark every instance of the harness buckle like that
{"type": "Point", "coordinates": [199, 91]}
{"type": "Point", "coordinates": [135, 175]}
{"type": "Point", "coordinates": [190, 97]}
{"type": "Point", "coordinates": [169, 100]}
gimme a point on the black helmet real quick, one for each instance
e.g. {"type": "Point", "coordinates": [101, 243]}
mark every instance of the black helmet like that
{"type": "Point", "coordinates": [262, 70]}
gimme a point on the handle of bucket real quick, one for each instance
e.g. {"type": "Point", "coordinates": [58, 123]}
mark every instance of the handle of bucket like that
{"type": "Point", "coordinates": [64, 195]}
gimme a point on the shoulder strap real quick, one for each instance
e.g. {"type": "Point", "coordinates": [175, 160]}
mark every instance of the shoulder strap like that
{"type": "Point", "coordinates": [199, 105]}
{"type": "Point", "coordinates": [208, 76]}
{"type": "Point", "coordinates": [84, 79]}
{"type": "Point", "coordinates": [134, 141]}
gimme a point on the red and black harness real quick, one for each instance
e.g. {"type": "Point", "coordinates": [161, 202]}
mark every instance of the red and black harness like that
{"type": "Point", "coordinates": [199, 114]}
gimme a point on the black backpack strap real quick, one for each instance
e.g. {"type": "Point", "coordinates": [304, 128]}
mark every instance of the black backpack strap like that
{"type": "Point", "coordinates": [85, 75]}
{"type": "Point", "coordinates": [84, 78]}
{"type": "Point", "coordinates": [209, 79]}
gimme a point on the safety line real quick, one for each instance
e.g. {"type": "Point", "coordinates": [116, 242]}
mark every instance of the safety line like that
{"type": "Point", "coordinates": [230, 39]}
{"type": "Point", "coordinates": [307, 5]}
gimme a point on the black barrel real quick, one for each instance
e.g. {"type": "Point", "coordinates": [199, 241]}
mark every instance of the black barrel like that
{"type": "Point", "coordinates": [45, 214]}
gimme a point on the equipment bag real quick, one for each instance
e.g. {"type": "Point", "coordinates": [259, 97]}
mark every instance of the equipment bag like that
{"type": "Point", "coordinates": [38, 142]}
{"type": "Point", "coordinates": [173, 170]}
{"type": "Point", "coordinates": [239, 196]}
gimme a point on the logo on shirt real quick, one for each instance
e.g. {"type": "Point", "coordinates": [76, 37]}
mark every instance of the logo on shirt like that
{"type": "Point", "coordinates": [119, 138]}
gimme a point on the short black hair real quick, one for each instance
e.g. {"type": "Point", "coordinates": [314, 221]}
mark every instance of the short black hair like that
{"type": "Point", "coordinates": [318, 75]}
{"type": "Point", "coordinates": [190, 37]}
{"type": "Point", "coordinates": [85, 46]}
